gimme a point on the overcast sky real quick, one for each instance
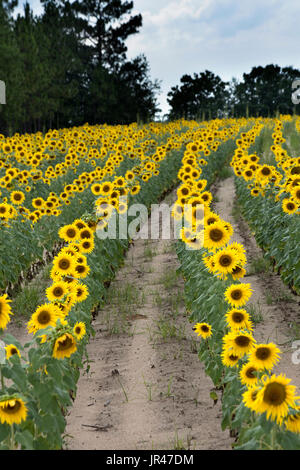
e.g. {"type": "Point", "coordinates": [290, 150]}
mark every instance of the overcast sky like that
{"type": "Point", "coordinates": [228, 37]}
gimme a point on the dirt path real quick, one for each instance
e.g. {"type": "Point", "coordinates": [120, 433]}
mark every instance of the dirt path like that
{"type": "Point", "coordinates": [146, 388]}
{"type": "Point", "coordinates": [273, 307]}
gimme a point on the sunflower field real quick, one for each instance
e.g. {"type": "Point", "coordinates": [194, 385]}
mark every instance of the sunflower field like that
{"type": "Point", "coordinates": [58, 192]}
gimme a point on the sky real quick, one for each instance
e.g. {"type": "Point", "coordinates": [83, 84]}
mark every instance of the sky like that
{"type": "Point", "coordinates": [227, 37]}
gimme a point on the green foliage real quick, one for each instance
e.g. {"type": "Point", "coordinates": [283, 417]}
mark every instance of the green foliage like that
{"type": "Point", "coordinates": [48, 385]}
{"type": "Point", "coordinates": [205, 302]}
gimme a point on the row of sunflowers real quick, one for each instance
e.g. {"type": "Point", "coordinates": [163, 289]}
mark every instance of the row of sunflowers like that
{"type": "Point", "coordinates": [39, 378]}
{"type": "Point", "coordinates": [269, 198]}
{"type": "Point", "coordinates": [44, 179]}
{"type": "Point", "coordinates": [260, 408]}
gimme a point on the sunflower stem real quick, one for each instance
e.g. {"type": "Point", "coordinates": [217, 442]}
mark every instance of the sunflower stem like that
{"type": "Point", "coordinates": [2, 379]}
{"type": "Point", "coordinates": [273, 432]}
{"type": "Point", "coordinates": [12, 437]}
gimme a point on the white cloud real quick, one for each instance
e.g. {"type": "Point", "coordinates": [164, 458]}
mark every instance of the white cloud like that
{"type": "Point", "coordinates": [225, 36]}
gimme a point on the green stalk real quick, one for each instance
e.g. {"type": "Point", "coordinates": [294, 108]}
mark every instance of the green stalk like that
{"type": "Point", "coordinates": [2, 379]}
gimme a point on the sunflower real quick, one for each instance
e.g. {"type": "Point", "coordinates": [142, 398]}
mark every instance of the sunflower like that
{"type": "Point", "coordinates": [80, 224]}
{"type": "Point", "coordinates": [206, 198]}
{"type": "Point", "coordinates": [229, 359]}
{"type": "Point", "coordinates": [5, 311]}
{"type": "Point", "coordinates": [96, 189]}
{"type": "Point", "coordinates": [11, 350]}
{"type": "Point", "coordinates": [64, 346]}
{"type": "Point", "coordinates": [17, 197]}
{"type": "Point", "coordinates": [255, 192]}
{"type": "Point", "coordinates": [71, 249]}
{"type": "Point", "coordinates": [238, 319]}
{"type": "Point", "coordinates": [289, 206]}
{"type": "Point", "coordinates": [38, 202]}
{"type": "Point", "coordinates": [86, 233]}
{"type": "Point", "coordinates": [265, 356]}
{"type": "Point", "coordinates": [80, 292]}
{"type": "Point", "coordinates": [64, 264]}
{"type": "Point", "coordinates": [238, 273]}
{"type": "Point", "coordinates": [240, 342]}
{"type": "Point", "coordinates": [4, 210]}
{"type": "Point", "coordinates": [86, 246]}
{"type": "Point", "coordinates": [225, 260]}
{"type": "Point", "coordinates": [186, 234]}
{"type": "Point", "coordinates": [184, 191]}
{"type": "Point", "coordinates": [275, 397]}
{"type": "Point", "coordinates": [265, 172]}
{"type": "Point", "coordinates": [292, 422]}
{"type": "Point", "coordinates": [79, 330]}
{"type": "Point", "coordinates": [239, 248]}
{"type": "Point", "coordinates": [12, 410]}
{"type": "Point", "coordinates": [135, 189]}
{"type": "Point", "coordinates": [238, 295]}
{"type": "Point", "coordinates": [45, 315]}
{"type": "Point", "coordinates": [208, 260]}
{"type": "Point", "coordinates": [57, 291]}
{"type": "Point", "coordinates": [295, 192]}
{"type": "Point", "coordinates": [215, 236]}
{"type": "Point", "coordinates": [106, 188]}
{"type": "Point", "coordinates": [250, 397]}
{"type": "Point", "coordinates": [203, 329]}
{"type": "Point", "coordinates": [69, 233]}
{"type": "Point", "coordinates": [195, 243]}
{"type": "Point", "coordinates": [248, 374]}
{"type": "Point", "coordinates": [211, 218]}
{"type": "Point", "coordinates": [81, 270]}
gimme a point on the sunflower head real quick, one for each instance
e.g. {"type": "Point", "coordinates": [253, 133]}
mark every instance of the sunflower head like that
{"type": "Point", "coordinates": [203, 329]}
{"type": "Point", "coordinates": [12, 410]}
{"type": "Point", "coordinates": [64, 346]}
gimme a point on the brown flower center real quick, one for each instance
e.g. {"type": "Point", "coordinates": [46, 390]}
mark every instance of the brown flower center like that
{"type": "Point", "coordinates": [266, 171]}
{"type": "Point", "coordinates": [242, 341]}
{"type": "Point", "coordinates": [80, 268]}
{"type": "Point", "coordinates": [12, 407]}
{"type": "Point", "coordinates": [274, 394]}
{"type": "Point", "coordinates": [71, 233]}
{"type": "Point", "coordinates": [85, 234]}
{"type": "Point", "coordinates": [65, 344]}
{"type": "Point", "coordinates": [238, 317]}
{"type": "Point", "coordinates": [250, 374]}
{"type": "Point", "coordinates": [225, 260]}
{"type": "Point", "coordinates": [290, 206]}
{"type": "Point", "coordinates": [64, 264]}
{"type": "Point", "coordinates": [216, 235]}
{"type": "Point", "coordinates": [232, 357]}
{"type": "Point", "coordinates": [263, 353]}
{"type": "Point", "coordinates": [44, 317]}
{"type": "Point", "coordinates": [236, 294]}
{"type": "Point", "coordinates": [58, 292]}
{"type": "Point", "coordinates": [205, 329]}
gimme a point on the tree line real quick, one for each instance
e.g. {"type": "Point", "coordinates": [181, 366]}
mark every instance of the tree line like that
{"type": "Point", "coordinates": [68, 66]}
{"type": "Point", "coordinates": [264, 91]}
